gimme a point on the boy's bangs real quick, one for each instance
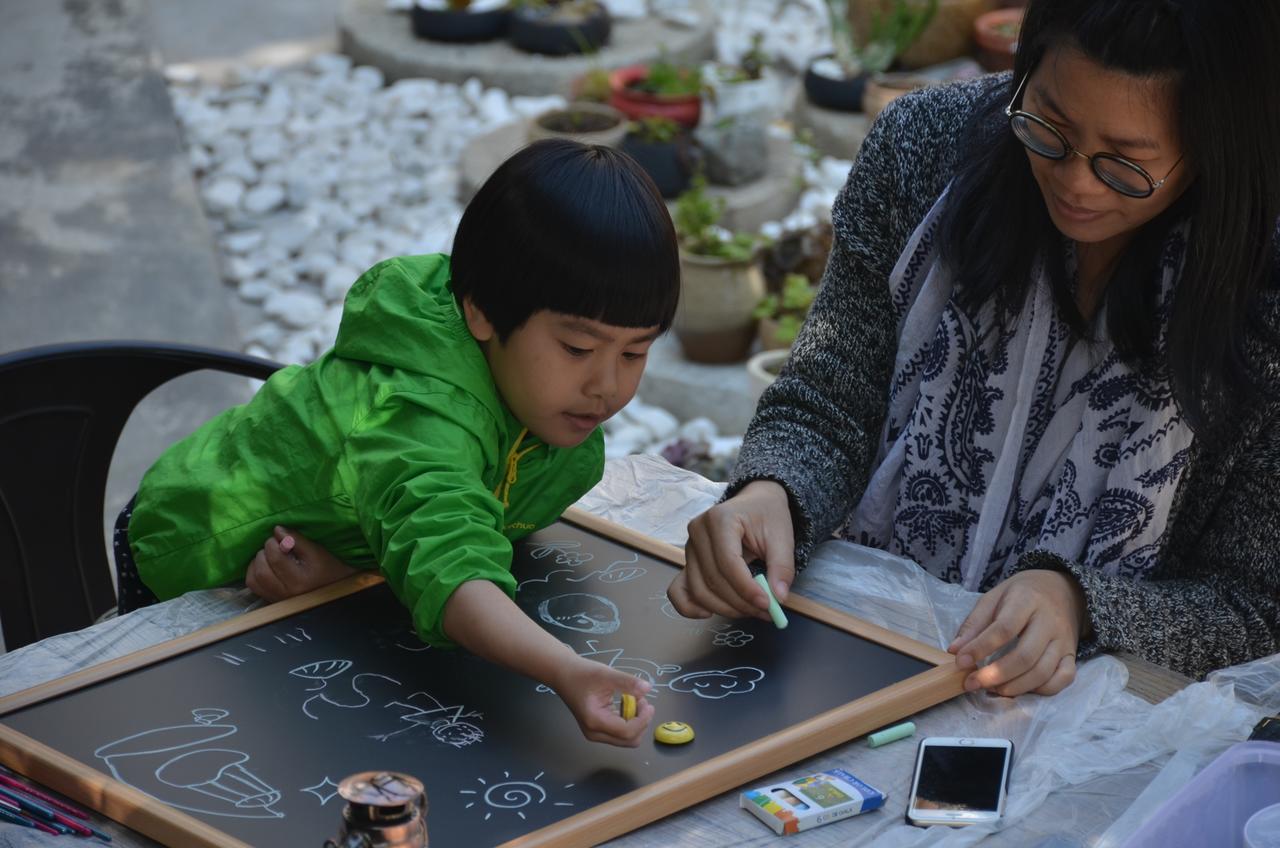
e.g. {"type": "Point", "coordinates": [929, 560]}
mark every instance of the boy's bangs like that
{"type": "Point", "coordinates": [624, 278]}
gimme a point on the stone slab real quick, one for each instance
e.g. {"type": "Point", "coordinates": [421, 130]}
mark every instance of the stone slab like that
{"type": "Point", "coordinates": [101, 231]}
{"type": "Point", "coordinates": [372, 35]}
{"type": "Point", "coordinates": [747, 207]}
{"type": "Point", "coordinates": [834, 133]}
{"type": "Point", "coordinates": [689, 390]}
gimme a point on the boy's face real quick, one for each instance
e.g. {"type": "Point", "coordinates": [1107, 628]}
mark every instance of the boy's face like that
{"type": "Point", "coordinates": [561, 375]}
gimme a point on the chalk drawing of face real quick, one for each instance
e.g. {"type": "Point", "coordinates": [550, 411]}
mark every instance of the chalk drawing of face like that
{"type": "Point", "coordinates": [581, 612]}
{"type": "Point", "coordinates": [718, 684]}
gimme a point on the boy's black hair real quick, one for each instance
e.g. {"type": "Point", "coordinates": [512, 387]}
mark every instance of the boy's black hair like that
{"type": "Point", "coordinates": [573, 228]}
{"type": "Point", "coordinates": [1218, 57]}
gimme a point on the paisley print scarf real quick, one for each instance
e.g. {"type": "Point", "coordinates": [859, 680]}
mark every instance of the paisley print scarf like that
{"type": "Point", "coordinates": [1001, 440]}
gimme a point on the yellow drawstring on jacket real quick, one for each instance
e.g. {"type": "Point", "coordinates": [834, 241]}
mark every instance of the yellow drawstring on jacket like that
{"type": "Point", "coordinates": [503, 489]}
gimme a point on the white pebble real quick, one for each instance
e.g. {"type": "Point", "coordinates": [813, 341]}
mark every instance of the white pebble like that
{"type": "Point", "coordinates": [262, 199]}
{"type": "Point", "coordinates": [294, 308]}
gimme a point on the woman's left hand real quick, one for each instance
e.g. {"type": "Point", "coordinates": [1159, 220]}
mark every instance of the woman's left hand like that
{"type": "Point", "coordinates": [1046, 612]}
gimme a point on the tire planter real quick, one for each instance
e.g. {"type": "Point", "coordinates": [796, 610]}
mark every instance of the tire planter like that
{"type": "Point", "coordinates": [842, 95]}
{"type": "Point", "coordinates": [458, 27]}
{"type": "Point", "coordinates": [670, 164]}
{"type": "Point", "coordinates": [538, 30]}
{"type": "Point", "coordinates": [603, 124]}
{"type": "Point", "coordinates": [684, 109]}
{"type": "Point", "coordinates": [715, 322]}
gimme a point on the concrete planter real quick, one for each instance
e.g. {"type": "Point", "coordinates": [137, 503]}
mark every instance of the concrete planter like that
{"type": "Point", "coordinates": [717, 298]}
{"type": "Point", "coordinates": [598, 124]}
{"type": "Point", "coordinates": [763, 369]}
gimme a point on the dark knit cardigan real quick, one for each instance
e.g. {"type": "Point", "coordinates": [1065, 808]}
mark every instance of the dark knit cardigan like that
{"type": "Point", "coordinates": [1213, 597]}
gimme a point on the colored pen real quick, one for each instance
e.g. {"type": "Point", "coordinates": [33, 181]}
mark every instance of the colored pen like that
{"type": "Point", "coordinates": [7, 814]}
{"type": "Point", "coordinates": [21, 786]}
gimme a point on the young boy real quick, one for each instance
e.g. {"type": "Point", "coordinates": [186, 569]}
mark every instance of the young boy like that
{"type": "Point", "coordinates": [457, 412]}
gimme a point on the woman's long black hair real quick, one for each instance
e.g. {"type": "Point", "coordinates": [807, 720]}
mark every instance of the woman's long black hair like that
{"type": "Point", "coordinates": [1224, 58]}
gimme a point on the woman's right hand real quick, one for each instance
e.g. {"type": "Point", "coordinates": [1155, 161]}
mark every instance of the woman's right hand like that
{"type": "Point", "coordinates": [753, 524]}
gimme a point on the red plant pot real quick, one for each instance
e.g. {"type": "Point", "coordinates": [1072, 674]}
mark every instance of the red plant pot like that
{"type": "Point", "coordinates": [684, 109]}
{"type": "Point", "coordinates": [996, 36]}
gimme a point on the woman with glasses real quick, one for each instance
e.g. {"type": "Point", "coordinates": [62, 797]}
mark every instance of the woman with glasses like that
{"type": "Point", "coordinates": [1045, 359]}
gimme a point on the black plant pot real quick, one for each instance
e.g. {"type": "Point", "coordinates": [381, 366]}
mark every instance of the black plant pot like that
{"type": "Point", "coordinates": [670, 164]}
{"type": "Point", "coordinates": [844, 95]}
{"type": "Point", "coordinates": [537, 30]}
{"type": "Point", "coordinates": [448, 25]}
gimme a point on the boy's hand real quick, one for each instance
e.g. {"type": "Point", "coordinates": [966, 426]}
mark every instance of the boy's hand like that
{"type": "Point", "coordinates": [755, 523]}
{"type": "Point", "coordinates": [290, 564]}
{"type": "Point", "coordinates": [587, 689]}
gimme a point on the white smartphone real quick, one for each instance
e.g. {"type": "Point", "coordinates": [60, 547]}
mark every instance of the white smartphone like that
{"type": "Point", "coordinates": [959, 781]}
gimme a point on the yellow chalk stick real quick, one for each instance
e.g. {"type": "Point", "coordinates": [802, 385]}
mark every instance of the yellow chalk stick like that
{"type": "Point", "coordinates": [628, 706]}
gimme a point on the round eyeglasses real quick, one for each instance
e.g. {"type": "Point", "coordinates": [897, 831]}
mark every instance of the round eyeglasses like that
{"type": "Point", "coordinates": [1044, 139]}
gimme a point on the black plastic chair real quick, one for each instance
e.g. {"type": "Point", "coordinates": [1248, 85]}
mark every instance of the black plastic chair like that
{"type": "Point", "coordinates": [62, 408]}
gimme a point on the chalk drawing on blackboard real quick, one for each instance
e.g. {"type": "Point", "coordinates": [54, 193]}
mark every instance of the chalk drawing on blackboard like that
{"type": "Point", "coordinates": [618, 571]}
{"type": "Point", "coordinates": [513, 795]}
{"type": "Point", "coordinates": [445, 723]}
{"type": "Point", "coordinates": [230, 658]}
{"type": "Point", "coordinates": [581, 612]}
{"type": "Point", "coordinates": [178, 766]}
{"type": "Point", "coordinates": [717, 684]}
{"type": "Point", "coordinates": [566, 553]}
{"type": "Point", "coordinates": [728, 636]}
{"type": "Point", "coordinates": [324, 671]}
{"type": "Point", "coordinates": [324, 790]}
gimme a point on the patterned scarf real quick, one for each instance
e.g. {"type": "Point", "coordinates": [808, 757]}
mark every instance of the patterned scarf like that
{"type": "Point", "coordinates": [1000, 441]}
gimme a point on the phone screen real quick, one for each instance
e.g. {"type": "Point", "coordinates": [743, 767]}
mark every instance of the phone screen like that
{"type": "Point", "coordinates": [960, 778]}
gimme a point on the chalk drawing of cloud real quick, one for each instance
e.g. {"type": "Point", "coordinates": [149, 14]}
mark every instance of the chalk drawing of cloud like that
{"type": "Point", "coordinates": [718, 684]}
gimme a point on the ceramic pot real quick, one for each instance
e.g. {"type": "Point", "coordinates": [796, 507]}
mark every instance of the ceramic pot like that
{"type": "Point", "coordinates": [996, 34]}
{"type": "Point", "coordinates": [465, 26]}
{"type": "Point", "coordinates": [670, 164]}
{"type": "Point", "coordinates": [714, 322]}
{"type": "Point", "coordinates": [746, 98]}
{"type": "Point", "coordinates": [684, 109]}
{"type": "Point", "coordinates": [595, 123]}
{"type": "Point", "coordinates": [540, 29]}
{"type": "Point", "coordinates": [843, 94]}
{"type": "Point", "coordinates": [949, 35]}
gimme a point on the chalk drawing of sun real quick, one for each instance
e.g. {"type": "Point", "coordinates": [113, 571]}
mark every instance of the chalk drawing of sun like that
{"type": "Point", "coordinates": [513, 795]}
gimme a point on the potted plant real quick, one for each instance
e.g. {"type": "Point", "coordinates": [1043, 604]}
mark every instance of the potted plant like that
{"type": "Point", "coordinates": [663, 90]}
{"type": "Point", "coordinates": [949, 34]}
{"type": "Point", "coordinates": [996, 34]}
{"type": "Point", "coordinates": [593, 86]}
{"type": "Point", "coordinates": [839, 80]}
{"type": "Point", "coordinates": [721, 281]}
{"type": "Point", "coordinates": [782, 314]}
{"type": "Point", "coordinates": [664, 150]}
{"type": "Point", "coordinates": [459, 20]}
{"type": "Point", "coordinates": [747, 88]}
{"type": "Point", "coordinates": [589, 123]}
{"type": "Point", "coordinates": [559, 27]}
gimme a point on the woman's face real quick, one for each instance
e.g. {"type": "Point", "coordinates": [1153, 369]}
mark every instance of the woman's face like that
{"type": "Point", "coordinates": [1100, 110]}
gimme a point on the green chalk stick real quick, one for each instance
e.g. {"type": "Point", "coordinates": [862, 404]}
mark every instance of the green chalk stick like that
{"type": "Point", "coordinates": [775, 609]}
{"type": "Point", "coordinates": [891, 734]}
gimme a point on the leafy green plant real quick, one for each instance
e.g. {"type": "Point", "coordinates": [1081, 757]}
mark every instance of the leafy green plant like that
{"type": "Point", "coordinates": [790, 307]}
{"type": "Point", "coordinates": [655, 129]}
{"type": "Point", "coordinates": [697, 219]}
{"type": "Point", "coordinates": [665, 77]}
{"type": "Point", "coordinates": [594, 86]}
{"type": "Point", "coordinates": [750, 67]}
{"type": "Point", "coordinates": [891, 33]}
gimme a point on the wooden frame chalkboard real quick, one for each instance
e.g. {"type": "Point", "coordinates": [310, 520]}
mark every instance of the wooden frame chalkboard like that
{"type": "Point", "coordinates": [638, 802]}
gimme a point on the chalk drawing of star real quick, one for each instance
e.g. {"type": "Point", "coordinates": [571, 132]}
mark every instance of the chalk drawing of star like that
{"type": "Point", "coordinates": [324, 790]}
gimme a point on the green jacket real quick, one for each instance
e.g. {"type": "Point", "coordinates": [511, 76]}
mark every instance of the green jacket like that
{"type": "Point", "coordinates": [391, 450]}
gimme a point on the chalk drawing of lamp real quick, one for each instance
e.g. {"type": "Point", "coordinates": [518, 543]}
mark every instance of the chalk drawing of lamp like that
{"type": "Point", "coordinates": [182, 768]}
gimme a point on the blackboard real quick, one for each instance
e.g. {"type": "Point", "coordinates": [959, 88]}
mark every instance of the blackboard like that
{"type": "Point", "coordinates": [251, 733]}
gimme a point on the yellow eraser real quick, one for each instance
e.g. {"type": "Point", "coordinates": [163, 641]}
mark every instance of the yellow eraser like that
{"type": "Point", "coordinates": [628, 706]}
{"type": "Point", "coordinates": [673, 733]}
